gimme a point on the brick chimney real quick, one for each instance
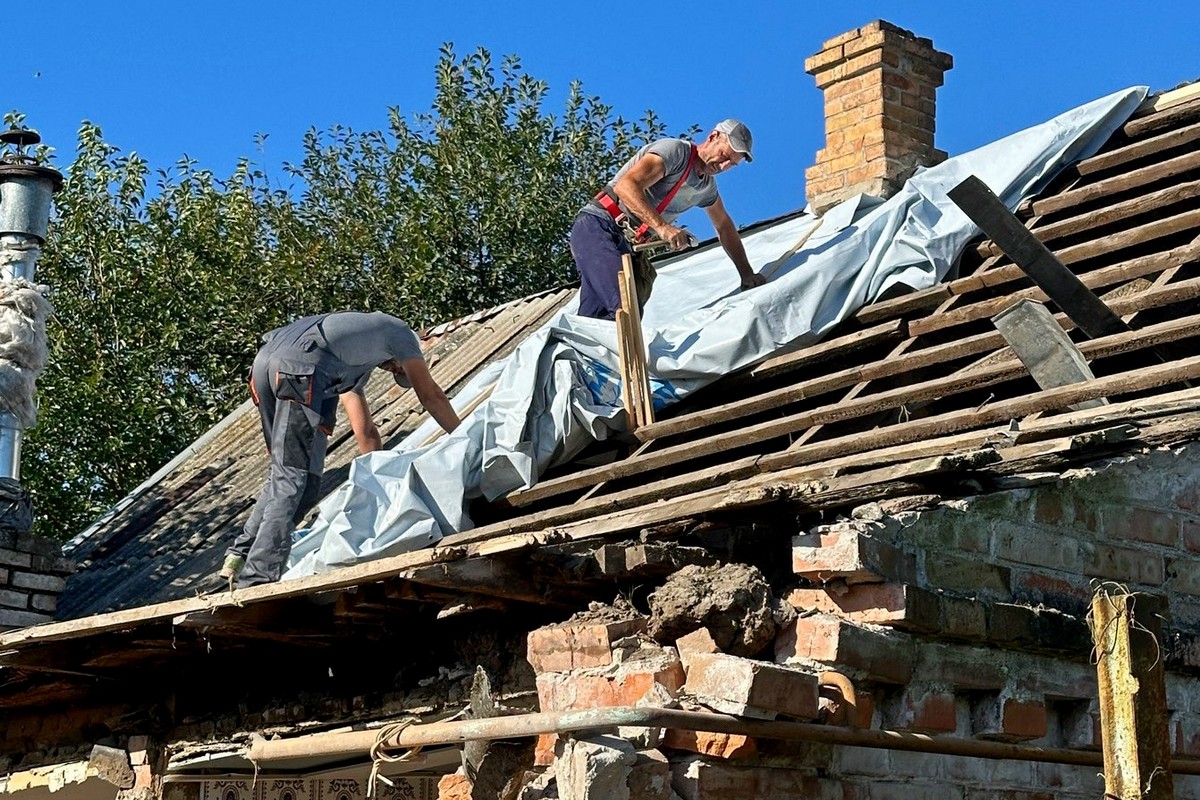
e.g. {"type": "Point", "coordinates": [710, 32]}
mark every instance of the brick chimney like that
{"type": "Point", "coordinates": [879, 83]}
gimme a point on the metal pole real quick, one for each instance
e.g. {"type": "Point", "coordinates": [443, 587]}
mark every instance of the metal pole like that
{"type": "Point", "coordinates": [360, 743]}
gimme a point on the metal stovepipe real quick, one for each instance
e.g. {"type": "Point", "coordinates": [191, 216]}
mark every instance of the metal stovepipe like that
{"type": "Point", "coordinates": [25, 192]}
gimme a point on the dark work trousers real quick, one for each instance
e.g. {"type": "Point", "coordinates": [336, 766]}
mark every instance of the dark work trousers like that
{"type": "Point", "coordinates": [597, 245]}
{"type": "Point", "coordinates": [296, 441]}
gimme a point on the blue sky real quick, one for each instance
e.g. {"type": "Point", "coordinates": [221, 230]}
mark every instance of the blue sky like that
{"type": "Point", "coordinates": [169, 78]}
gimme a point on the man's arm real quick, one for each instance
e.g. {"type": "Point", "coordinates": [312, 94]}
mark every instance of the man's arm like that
{"type": "Point", "coordinates": [631, 188]}
{"type": "Point", "coordinates": [361, 422]}
{"type": "Point", "coordinates": [731, 241]}
{"type": "Point", "coordinates": [430, 394]}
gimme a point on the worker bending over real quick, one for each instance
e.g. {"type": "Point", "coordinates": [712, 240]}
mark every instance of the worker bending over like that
{"type": "Point", "coordinates": [298, 376]}
{"type": "Point", "coordinates": [664, 179]}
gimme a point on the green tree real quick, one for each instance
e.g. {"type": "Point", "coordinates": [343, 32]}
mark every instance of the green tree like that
{"type": "Point", "coordinates": [163, 280]}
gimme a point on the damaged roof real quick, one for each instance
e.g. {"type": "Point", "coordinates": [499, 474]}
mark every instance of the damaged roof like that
{"type": "Point", "coordinates": [913, 395]}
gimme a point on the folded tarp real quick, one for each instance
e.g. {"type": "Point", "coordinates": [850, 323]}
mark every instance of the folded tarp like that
{"type": "Point", "coordinates": [560, 390]}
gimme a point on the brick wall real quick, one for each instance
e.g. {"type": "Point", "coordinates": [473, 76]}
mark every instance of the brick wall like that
{"type": "Point", "coordinates": [879, 83]}
{"type": "Point", "coordinates": [32, 576]}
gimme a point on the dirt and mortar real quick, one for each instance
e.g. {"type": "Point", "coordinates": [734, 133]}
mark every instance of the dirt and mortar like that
{"type": "Point", "coordinates": [734, 602]}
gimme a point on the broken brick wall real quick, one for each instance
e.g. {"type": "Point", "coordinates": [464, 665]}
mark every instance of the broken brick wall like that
{"type": "Point", "coordinates": [33, 574]}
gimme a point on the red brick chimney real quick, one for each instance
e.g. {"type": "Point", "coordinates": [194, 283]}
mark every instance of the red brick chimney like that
{"type": "Point", "coordinates": [879, 83]}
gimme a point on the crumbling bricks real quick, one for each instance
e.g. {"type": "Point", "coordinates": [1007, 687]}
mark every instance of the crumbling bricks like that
{"type": "Point", "coordinates": [1010, 717]}
{"type": "Point", "coordinates": [896, 605]}
{"type": "Point", "coordinates": [851, 556]}
{"type": "Point", "coordinates": [923, 708]}
{"type": "Point", "coordinates": [881, 655]}
{"type": "Point", "coordinates": [750, 688]}
{"type": "Point", "coordinates": [556, 648]}
{"type": "Point", "coordinates": [33, 574]}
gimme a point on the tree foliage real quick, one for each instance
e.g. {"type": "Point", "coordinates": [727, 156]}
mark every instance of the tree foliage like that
{"type": "Point", "coordinates": [164, 280]}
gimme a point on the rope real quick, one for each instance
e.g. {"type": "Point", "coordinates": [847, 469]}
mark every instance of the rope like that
{"type": "Point", "coordinates": [379, 757]}
{"type": "Point", "coordinates": [1110, 589]}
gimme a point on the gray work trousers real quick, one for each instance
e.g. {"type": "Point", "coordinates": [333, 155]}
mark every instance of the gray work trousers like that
{"type": "Point", "coordinates": [296, 441]}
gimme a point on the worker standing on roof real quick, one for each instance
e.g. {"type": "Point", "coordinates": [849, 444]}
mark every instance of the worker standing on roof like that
{"type": "Point", "coordinates": [662, 180]}
{"type": "Point", "coordinates": [298, 376]}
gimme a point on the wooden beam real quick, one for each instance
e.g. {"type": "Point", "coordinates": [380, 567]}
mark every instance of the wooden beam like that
{"type": "Point", "coordinates": [1062, 286]}
{"type": "Point", "coordinates": [1133, 695]}
{"type": "Point", "coordinates": [1119, 212]}
{"type": "Point", "coordinates": [500, 541]}
{"type": "Point", "coordinates": [635, 378]}
{"type": "Point", "coordinates": [824, 351]}
{"type": "Point", "coordinates": [1134, 179]}
{"type": "Point", "coordinates": [839, 412]}
{"type": "Point", "coordinates": [1140, 149]}
{"type": "Point", "coordinates": [1161, 101]}
{"type": "Point", "coordinates": [1097, 279]}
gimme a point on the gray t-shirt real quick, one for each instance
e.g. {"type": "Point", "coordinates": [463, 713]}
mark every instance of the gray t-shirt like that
{"type": "Point", "coordinates": [696, 190]}
{"type": "Point", "coordinates": [344, 346]}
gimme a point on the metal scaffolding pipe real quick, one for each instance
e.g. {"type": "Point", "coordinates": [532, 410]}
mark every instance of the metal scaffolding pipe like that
{"type": "Point", "coordinates": [360, 743]}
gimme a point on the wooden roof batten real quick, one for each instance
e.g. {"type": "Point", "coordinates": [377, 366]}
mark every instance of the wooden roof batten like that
{"type": "Point", "coordinates": [793, 449]}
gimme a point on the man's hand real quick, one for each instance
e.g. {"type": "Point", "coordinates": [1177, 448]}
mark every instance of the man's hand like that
{"type": "Point", "coordinates": [675, 237]}
{"type": "Point", "coordinates": [752, 280]}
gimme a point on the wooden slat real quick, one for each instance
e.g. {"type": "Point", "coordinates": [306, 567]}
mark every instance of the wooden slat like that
{"type": "Point", "coordinates": [825, 351]}
{"type": "Point", "coordinates": [839, 412]}
{"type": "Point", "coordinates": [1119, 183]}
{"type": "Point", "coordinates": [646, 407]}
{"type": "Point", "coordinates": [1094, 280]}
{"type": "Point", "coordinates": [634, 373]}
{"type": "Point", "coordinates": [888, 367]}
{"type": "Point", "coordinates": [389, 567]}
{"type": "Point", "coordinates": [979, 203]}
{"type": "Point", "coordinates": [905, 304]}
{"type": "Point", "coordinates": [1139, 149]}
{"type": "Point", "coordinates": [1159, 102]}
{"type": "Point", "coordinates": [1126, 209]}
{"type": "Point", "coordinates": [893, 365]}
{"type": "Point", "coordinates": [1177, 114]}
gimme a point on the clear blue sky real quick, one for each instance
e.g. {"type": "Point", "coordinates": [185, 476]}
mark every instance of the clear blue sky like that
{"type": "Point", "coordinates": [168, 78]}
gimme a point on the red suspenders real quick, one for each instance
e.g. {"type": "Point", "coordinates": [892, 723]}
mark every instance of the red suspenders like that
{"type": "Point", "coordinates": [607, 200]}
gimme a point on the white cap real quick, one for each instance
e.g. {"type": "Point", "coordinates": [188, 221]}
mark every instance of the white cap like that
{"type": "Point", "coordinates": [739, 136]}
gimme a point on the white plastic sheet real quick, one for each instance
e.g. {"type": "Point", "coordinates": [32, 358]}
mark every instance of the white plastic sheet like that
{"type": "Point", "coordinates": [560, 390]}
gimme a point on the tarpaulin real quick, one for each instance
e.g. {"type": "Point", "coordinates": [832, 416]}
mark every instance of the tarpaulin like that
{"type": "Point", "coordinates": [560, 389]}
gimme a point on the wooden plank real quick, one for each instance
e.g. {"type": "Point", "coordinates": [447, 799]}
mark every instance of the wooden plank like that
{"type": "Point", "coordinates": [770, 269]}
{"type": "Point", "coordinates": [1179, 223]}
{"type": "Point", "coordinates": [1126, 209]}
{"type": "Point", "coordinates": [759, 490]}
{"type": "Point", "coordinates": [1097, 279]}
{"type": "Point", "coordinates": [492, 577]}
{"type": "Point", "coordinates": [646, 408]}
{"type": "Point", "coordinates": [624, 352]}
{"type": "Point", "coordinates": [824, 351]}
{"type": "Point", "coordinates": [1161, 101]}
{"type": "Point", "coordinates": [1127, 633]}
{"type": "Point", "coordinates": [1177, 403]}
{"type": "Point", "coordinates": [814, 387]}
{"type": "Point", "coordinates": [1176, 114]}
{"type": "Point", "coordinates": [1134, 179]}
{"type": "Point", "coordinates": [1062, 286]}
{"type": "Point", "coordinates": [942, 425]}
{"type": "Point", "coordinates": [1139, 149]}
{"type": "Point", "coordinates": [838, 412]}
{"type": "Point", "coordinates": [905, 304]}
{"type": "Point", "coordinates": [634, 372]}
{"type": "Point", "coordinates": [383, 569]}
